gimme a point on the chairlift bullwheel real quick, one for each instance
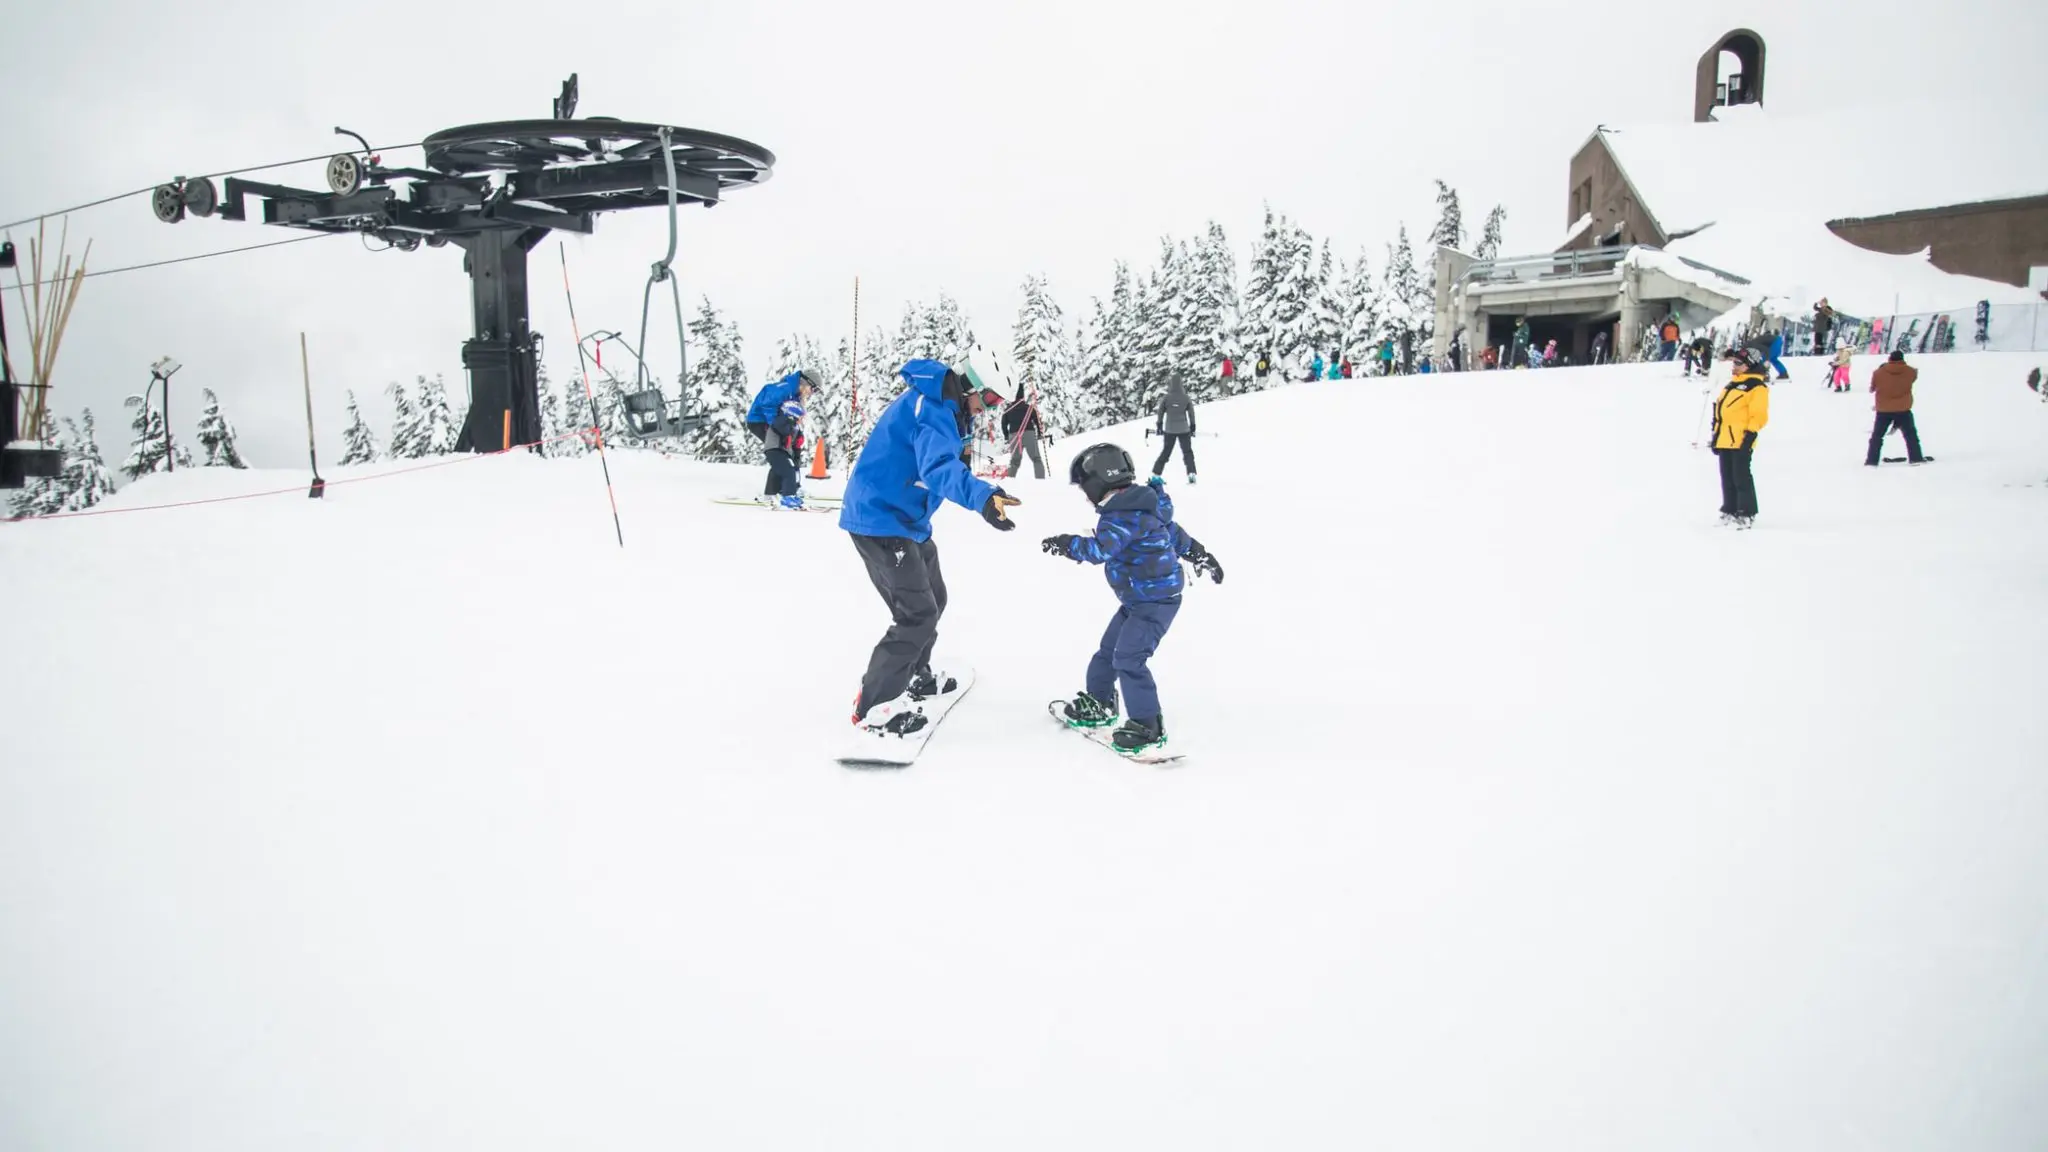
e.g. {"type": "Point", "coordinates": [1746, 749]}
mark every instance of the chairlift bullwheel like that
{"type": "Point", "coordinates": [201, 197]}
{"type": "Point", "coordinates": [345, 174]}
{"type": "Point", "coordinates": [168, 203]}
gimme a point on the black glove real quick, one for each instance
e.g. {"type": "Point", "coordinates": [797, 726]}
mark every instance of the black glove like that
{"type": "Point", "coordinates": [1205, 563]}
{"type": "Point", "coordinates": [1061, 545]}
{"type": "Point", "coordinates": [993, 510]}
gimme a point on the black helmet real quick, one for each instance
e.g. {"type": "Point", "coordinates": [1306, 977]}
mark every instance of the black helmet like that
{"type": "Point", "coordinates": [1100, 469]}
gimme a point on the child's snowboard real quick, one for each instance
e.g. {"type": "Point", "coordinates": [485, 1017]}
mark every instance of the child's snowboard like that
{"type": "Point", "coordinates": [1101, 737]}
{"type": "Point", "coordinates": [871, 750]}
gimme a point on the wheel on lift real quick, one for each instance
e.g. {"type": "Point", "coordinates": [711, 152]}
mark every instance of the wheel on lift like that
{"type": "Point", "coordinates": [168, 203]}
{"type": "Point", "coordinates": [345, 174]}
{"type": "Point", "coordinates": [201, 197]}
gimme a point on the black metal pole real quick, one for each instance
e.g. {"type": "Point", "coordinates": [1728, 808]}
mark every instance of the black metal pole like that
{"type": "Point", "coordinates": [170, 458]}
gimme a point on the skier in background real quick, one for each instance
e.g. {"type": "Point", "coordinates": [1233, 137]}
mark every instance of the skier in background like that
{"type": "Point", "coordinates": [1140, 548]}
{"type": "Point", "coordinates": [1021, 427]}
{"type": "Point", "coordinates": [1700, 354]}
{"type": "Point", "coordinates": [1175, 420]}
{"type": "Point", "coordinates": [1519, 349]}
{"type": "Point", "coordinates": [775, 419]}
{"type": "Point", "coordinates": [1777, 350]}
{"type": "Point", "coordinates": [1741, 412]}
{"type": "Point", "coordinates": [1600, 346]}
{"type": "Point", "coordinates": [1893, 384]}
{"type": "Point", "coordinates": [911, 462]}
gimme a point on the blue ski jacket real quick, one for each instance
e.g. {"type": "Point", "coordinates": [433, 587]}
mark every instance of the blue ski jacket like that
{"type": "Point", "coordinates": [1138, 544]}
{"type": "Point", "coordinates": [911, 462]}
{"type": "Point", "coordinates": [768, 401]}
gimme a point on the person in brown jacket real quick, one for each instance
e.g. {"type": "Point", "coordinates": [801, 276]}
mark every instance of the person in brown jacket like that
{"type": "Point", "coordinates": [1893, 383]}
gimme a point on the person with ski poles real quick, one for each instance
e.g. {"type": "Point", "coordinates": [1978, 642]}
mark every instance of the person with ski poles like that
{"type": "Point", "coordinates": [914, 459]}
{"type": "Point", "coordinates": [1022, 426]}
{"type": "Point", "coordinates": [1174, 420]}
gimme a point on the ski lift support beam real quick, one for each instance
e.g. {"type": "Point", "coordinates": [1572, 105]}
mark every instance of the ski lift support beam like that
{"type": "Point", "coordinates": [496, 190]}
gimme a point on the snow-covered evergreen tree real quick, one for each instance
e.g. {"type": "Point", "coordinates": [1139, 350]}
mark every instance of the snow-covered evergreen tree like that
{"type": "Point", "coordinates": [1110, 370]}
{"type": "Point", "coordinates": [146, 447]}
{"type": "Point", "coordinates": [1329, 314]}
{"type": "Point", "coordinates": [1450, 218]}
{"type": "Point", "coordinates": [408, 431]}
{"type": "Point", "coordinates": [1043, 354]}
{"type": "Point", "coordinates": [217, 435]}
{"type": "Point", "coordinates": [1364, 319]}
{"type": "Point", "coordinates": [1212, 320]}
{"type": "Point", "coordinates": [718, 389]}
{"type": "Point", "coordinates": [877, 384]}
{"type": "Point", "coordinates": [1401, 287]}
{"type": "Point", "coordinates": [550, 411]}
{"type": "Point", "coordinates": [87, 477]}
{"type": "Point", "coordinates": [1291, 319]}
{"type": "Point", "coordinates": [358, 444]}
{"type": "Point", "coordinates": [1157, 327]}
{"type": "Point", "coordinates": [574, 406]}
{"type": "Point", "coordinates": [1269, 261]}
{"type": "Point", "coordinates": [1489, 239]}
{"type": "Point", "coordinates": [438, 425]}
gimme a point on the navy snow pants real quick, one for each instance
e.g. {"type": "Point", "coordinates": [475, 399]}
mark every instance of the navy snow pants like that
{"type": "Point", "coordinates": [1133, 635]}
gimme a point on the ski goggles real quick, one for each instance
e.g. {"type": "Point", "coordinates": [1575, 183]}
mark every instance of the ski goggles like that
{"type": "Point", "coordinates": [990, 398]}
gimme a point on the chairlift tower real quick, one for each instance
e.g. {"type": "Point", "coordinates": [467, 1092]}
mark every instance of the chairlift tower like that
{"type": "Point", "coordinates": [496, 190]}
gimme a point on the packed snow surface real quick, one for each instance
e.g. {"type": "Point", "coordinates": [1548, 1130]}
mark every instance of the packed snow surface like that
{"type": "Point", "coordinates": [1524, 808]}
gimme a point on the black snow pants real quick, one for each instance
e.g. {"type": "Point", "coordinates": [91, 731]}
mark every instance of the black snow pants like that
{"type": "Point", "coordinates": [1886, 421]}
{"type": "Point", "coordinates": [781, 473]}
{"type": "Point", "coordinates": [1187, 451]}
{"type": "Point", "coordinates": [906, 573]}
{"type": "Point", "coordinates": [1738, 485]}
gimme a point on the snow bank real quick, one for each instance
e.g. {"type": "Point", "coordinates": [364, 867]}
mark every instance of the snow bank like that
{"type": "Point", "coordinates": [424, 816]}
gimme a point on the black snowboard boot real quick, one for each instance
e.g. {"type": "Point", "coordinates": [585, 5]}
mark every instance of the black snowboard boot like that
{"type": "Point", "coordinates": [1085, 711]}
{"type": "Point", "coordinates": [928, 683]}
{"type": "Point", "coordinates": [1140, 735]}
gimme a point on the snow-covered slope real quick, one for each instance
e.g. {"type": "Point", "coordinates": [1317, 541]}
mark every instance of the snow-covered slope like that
{"type": "Point", "coordinates": [1525, 808]}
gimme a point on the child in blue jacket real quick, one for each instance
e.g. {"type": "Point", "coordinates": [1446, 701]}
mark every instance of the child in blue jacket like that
{"type": "Point", "coordinates": [1140, 549]}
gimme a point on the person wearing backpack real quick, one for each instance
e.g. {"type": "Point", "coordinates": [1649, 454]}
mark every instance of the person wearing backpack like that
{"type": "Point", "coordinates": [1021, 427]}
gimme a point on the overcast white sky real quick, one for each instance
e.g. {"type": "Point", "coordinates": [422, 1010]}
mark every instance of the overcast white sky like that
{"type": "Point", "coordinates": [923, 146]}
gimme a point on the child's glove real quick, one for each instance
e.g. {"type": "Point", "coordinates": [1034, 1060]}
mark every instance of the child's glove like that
{"type": "Point", "coordinates": [1061, 545]}
{"type": "Point", "coordinates": [1205, 564]}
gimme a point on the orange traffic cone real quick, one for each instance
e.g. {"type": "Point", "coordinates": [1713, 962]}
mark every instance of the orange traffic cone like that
{"type": "Point", "coordinates": [818, 463]}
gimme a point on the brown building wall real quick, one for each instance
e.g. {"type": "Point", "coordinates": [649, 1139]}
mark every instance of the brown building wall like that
{"type": "Point", "coordinates": [1996, 240]}
{"type": "Point", "coordinates": [1598, 186]}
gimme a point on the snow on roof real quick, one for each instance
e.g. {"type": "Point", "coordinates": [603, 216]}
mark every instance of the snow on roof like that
{"type": "Point", "coordinates": [1578, 229]}
{"type": "Point", "coordinates": [1752, 193]}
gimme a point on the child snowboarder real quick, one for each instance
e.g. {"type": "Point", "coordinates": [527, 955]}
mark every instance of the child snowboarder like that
{"type": "Point", "coordinates": [1840, 381]}
{"type": "Point", "coordinates": [1742, 411]}
{"type": "Point", "coordinates": [1140, 548]}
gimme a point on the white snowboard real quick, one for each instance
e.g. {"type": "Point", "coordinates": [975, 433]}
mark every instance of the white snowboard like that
{"type": "Point", "coordinates": [872, 750]}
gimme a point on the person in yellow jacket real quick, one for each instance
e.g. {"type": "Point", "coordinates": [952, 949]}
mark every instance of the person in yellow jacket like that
{"type": "Point", "coordinates": [1742, 411]}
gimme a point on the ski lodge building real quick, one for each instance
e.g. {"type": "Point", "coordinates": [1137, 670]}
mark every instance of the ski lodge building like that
{"type": "Point", "coordinates": [1655, 228]}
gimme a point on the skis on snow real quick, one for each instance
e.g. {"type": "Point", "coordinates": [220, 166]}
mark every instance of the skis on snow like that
{"type": "Point", "coordinates": [1101, 737]}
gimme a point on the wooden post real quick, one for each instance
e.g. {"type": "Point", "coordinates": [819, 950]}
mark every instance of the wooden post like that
{"type": "Point", "coordinates": [319, 488]}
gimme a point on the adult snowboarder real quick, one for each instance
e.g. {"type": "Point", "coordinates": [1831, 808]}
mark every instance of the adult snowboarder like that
{"type": "Point", "coordinates": [1021, 427]}
{"type": "Point", "coordinates": [1700, 355]}
{"type": "Point", "coordinates": [1140, 548]}
{"type": "Point", "coordinates": [1893, 384]}
{"type": "Point", "coordinates": [776, 419]}
{"type": "Point", "coordinates": [914, 458]}
{"type": "Point", "coordinates": [1742, 411]}
{"type": "Point", "coordinates": [1176, 422]}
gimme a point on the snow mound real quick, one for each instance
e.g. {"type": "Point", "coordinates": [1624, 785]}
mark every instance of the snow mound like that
{"type": "Point", "coordinates": [426, 816]}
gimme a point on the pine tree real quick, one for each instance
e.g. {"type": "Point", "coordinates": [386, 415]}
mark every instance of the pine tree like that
{"type": "Point", "coordinates": [1450, 219]}
{"type": "Point", "coordinates": [359, 446]}
{"type": "Point", "coordinates": [1212, 320]}
{"type": "Point", "coordinates": [1269, 262]}
{"type": "Point", "coordinates": [217, 435]}
{"type": "Point", "coordinates": [90, 480]}
{"type": "Point", "coordinates": [551, 429]}
{"type": "Point", "coordinates": [1043, 354]}
{"type": "Point", "coordinates": [1400, 288]}
{"type": "Point", "coordinates": [718, 389]}
{"type": "Point", "coordinates": [437, 422]}
{"type": "Point", "coordinates": [408, 433]}
{"type": "Point", "coordinates": [831, 417]}
{"type": "Point", "coordinates": [574, 406]}
{"type": "Point", "coordinates": [1364, 322]}
{"type": "Point", "coordinates": [879, 385]}
{"type": "Point", "coordinates": [1109, 372]}
{"type": "Point", "coordinates": [1489, 240]}
{"type": "Point", "coordinates": [146, 450]}
{"type": "Point", "coordinates": [1291, 320]}
{"type": "Point", "coordinates": [1329, 314]}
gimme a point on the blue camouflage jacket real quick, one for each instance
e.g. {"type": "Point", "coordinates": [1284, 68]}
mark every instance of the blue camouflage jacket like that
{"type": "Point", "coordinates": [1138, 545]}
